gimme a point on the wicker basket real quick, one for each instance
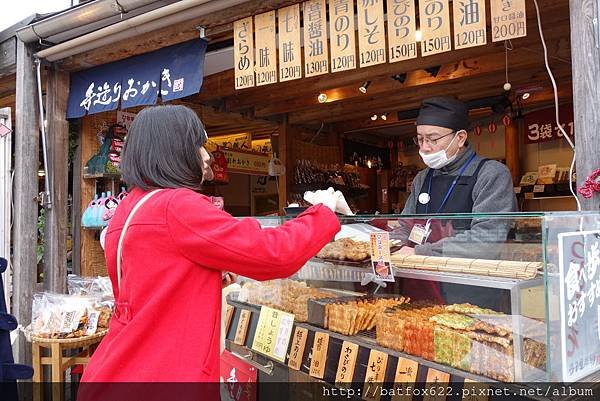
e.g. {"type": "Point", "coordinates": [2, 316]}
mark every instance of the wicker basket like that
{"type": "Point", "coordinates": [70, 343]}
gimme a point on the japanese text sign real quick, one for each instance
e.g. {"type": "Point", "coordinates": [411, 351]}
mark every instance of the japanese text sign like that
{"type": "Point", "coordinates": [252, 163]}
{"type": "Point", "coordinates": [405, 377]}
{"type": "Point", "coordinates": [402, 28]}
{"type": "Point", "coordinates": [290, 56]}
{"type": "Point", "coordinates": [266, 49]}
{"type": "Point", "coordinates": [298, 345]}
{"type": "Point", "coordinates": [346, 364]}
{"type": "Point", "coordinates": [238, 378]}
{"type": "Point", "coordinates": [376, 368]}
{"type": "Point", "coordinates": [540, 126]}
{"type": "Point", "coordinates": [343, 39]}
{"type": "Point", "coordinates": [380, 256]}
{"type": "Point", "coordinates": [243, 53]}
{"type": "Point", "coordinates": [371, 32]}
{"type": "Point", "coordinates": [174, 72]}
{"type": "Point", "coordinates": [273, 333]}
{"type": "Point", "coordinates": [242, 328]}
{"type": "Point", "coordinates": [316, 54]}
{"type": "Point", "coordinates": [469, 23]}
{"type": "Point", "coordinates": [579, 264]}
{"type": "Point", "coordinates": [509, 20]}
{"type": "Point", "coordinates": [319, 355]}
{"type": "Point", "coordinates": [435, 26]}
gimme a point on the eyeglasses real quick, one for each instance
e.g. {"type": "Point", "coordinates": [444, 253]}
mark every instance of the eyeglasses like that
{"type": "Point", "coordinates": [419, 140]}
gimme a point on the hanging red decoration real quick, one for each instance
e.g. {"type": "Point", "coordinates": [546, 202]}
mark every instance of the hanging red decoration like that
{"type": "Point", "coordinates": [506, 120]}
{"type": "Point", "coordinates": [591, 185]}
{"type": "Point", "coordinates": [492, 127]}
{"type": "Point", "coordinates": [391, 144]}
{"type": "Point", "coordinates": [477, 130]}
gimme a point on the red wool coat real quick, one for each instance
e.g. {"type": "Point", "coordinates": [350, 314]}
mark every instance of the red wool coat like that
{"type": "Point", "coordinates": [166, 326]}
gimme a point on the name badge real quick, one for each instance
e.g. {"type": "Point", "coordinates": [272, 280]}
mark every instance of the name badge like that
{"type": "Point", "coordinates": [419, 234]}
{"type": "Point", "coordinates": [424, 198]}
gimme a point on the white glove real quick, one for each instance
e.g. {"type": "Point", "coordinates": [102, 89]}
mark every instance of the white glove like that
{"type": "Point", "coordinates": [334, 200]}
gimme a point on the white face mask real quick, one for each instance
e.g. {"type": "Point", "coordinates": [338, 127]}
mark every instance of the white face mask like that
{"type": "Point", "coordinates": [438, 159]}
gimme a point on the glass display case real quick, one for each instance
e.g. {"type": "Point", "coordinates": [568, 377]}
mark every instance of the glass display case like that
{"type": "Point", "coordinates": [511, 298]}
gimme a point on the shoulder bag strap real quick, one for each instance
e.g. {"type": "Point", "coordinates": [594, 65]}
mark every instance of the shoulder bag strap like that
{"type": "Point", "coordinates": [124, 230]}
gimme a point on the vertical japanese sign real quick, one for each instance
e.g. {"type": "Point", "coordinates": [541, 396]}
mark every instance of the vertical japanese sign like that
{"type": "Point", "coordinates": [346, 364]}
{"type": "Point", "coordinates": [290, 59]}
{"type": "Point", "coordinates": [402, 28]}
{"type": "Point", "coordinates": [343, 40]}
{"type": "Point", "coordinates": [405, 377]}
{"type": "Point", "coordinates": [243, 52]}
{"type": "Point", "coordinates": [540, 126]}
{"type": "Point", "coordinates": [238, 378]}
{"type": "Point", "coordinates": [266, 48]}
{"type": "Point", "coordinates": [319, 355]}
{"type": "Point", "coordinates": [376, 368]}
{"type": "Point", "coordinates": [509, 20]}
{"type": "Point", "coordinates": [435, 26]}
{"type": "Point", "coordinates": [316, 55]}
{"type": "Point", "coordinates": [273, 333]}
{"type": "Point", "coordinates": [380, 256]}
{"type": "Point", "coordinates": [371, 32]}
{"type": "Point", "coordinates": [469, 23]}
{"type": "Point", "coordinates": [579, 262]}
{"type": "Point", "coordinates": [298, 345]}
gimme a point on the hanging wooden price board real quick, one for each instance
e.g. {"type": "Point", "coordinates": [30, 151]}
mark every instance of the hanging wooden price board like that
{"type": "Point", "coordinates": [243, 53]}
{"type": "Point", "coordinates": [242, 327]}
{"type": "Point", "coordinates": [435, 26]}
{"type": "Point", "coordinates": [376, 368]}
{"type": "Point", "coordinates": [316, 54]}
{"type": "Point", "coordinates": [266, 49]}
{"type": "Point", "coordinates": [298, 345]}
{"type": "Point", "coordinates": [228, 317]}
{"type": "Point", "coordinates": [402, 28]}
{"type": "Point", "coordinates": [371, 32]}
{"type": "Point", "coordinates": [509, 19]}
{"type": "Point", "coordinates": [475, 391]}
{"type": "Point", "coordinates": [319, 355]}
{"type": "Point", "coordinates": [290, 55]}
{"type": "Point", "coordinates": [469, 24]}
{"type": "Point", "coordinates": [343, 39]}
{"type": "Point", "coordinates": [437, 380]}
{"type": "Point", "coordinates": [346, 364]}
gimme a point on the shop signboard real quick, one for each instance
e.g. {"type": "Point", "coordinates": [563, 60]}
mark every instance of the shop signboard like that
{"type": "Point", "coordinates": [243, 52]}
{"type": "Point", "coordinates": [239, 161]}
{"type": "Point", "coordinates": [371, 32]}
{"type": "Point", "coordinates": [266, 49]}
{"type": "Point", "coordinates": [343, 39]}
{"type": "Point", "coordinates": [402, 28]}
{"type": "Point", "coordinates": [579, 266]}
{"type": "Point", "coordinates": [316, 52]}
{"type": "Point", "coordinates": [273, 333]}
{"type": "Point", "coordinates": [290, 55]}
{"type": "Point", "coordinates": [509, 19]}
{"type": "Point", "coordinates": [469, 23]}
{"type": "Point", "coordinates": [125, 119]}
{"type": "Point", "coordinates": [540, 126]}
{"type": "Point", "coordinates": [435, 26]}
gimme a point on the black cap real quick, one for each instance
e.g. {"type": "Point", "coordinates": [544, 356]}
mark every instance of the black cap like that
{"type": "Point", "coordinates": [444, 111]}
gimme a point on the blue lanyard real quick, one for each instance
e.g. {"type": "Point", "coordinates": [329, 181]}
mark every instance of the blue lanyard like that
{"type": "Point", "coordinates": [447, 197]}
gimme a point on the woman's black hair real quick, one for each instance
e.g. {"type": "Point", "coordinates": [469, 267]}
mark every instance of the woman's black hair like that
{"type": "Point", "coordinates": [162, 149]}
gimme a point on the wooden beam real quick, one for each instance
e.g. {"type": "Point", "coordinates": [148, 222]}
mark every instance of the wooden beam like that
{"type": "Point", "coordinates": [586, 92]}
{"type": "Point", "coordinates": [55, 251]}
{"type": "Point", "coordinates": [25, 195]}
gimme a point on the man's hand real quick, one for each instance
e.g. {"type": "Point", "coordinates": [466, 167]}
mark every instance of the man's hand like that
{"type": "Point", "coordinates": [228, 279]}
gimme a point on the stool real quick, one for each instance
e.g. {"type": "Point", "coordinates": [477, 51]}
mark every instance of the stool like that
{"type": "Point", "coordinates": [58, 361]}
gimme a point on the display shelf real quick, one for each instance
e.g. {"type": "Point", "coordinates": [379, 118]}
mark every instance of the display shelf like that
{"type": "Point", "coordinates": [326, 271]}
{"type": "Point", "coordinates": [108, 176]}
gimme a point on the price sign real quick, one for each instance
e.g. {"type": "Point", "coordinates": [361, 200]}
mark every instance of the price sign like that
{"type": "Point", "coordinates": [538, 189]}
{"type": "Point", "coordinates": [380, 256]}
{"type": "Point", "coordinates": [298, 345]}
{"type": "Point", "coordinates": [273, 333]}
{"type": "Point", "coordinates": [436, 379]}
{"type": "Point", "coordinates": [375, 374]}
{"type": "Point", "coordinates": [228, 317]}
{"type": "Point", "coordinates": [475, 391]}
{"type": "Point", "coordinates": [517, 190]}
{"type": "Point", "coordinates": [242, 327]}
{"type": "Point", "coordinates": [346, 364]}
{"type": "Point", "coordinates": [319, 355]}
{"type": "Point", "coordinates": [406, 375]}
{"type": "Point", "coordinates": [529, 195]}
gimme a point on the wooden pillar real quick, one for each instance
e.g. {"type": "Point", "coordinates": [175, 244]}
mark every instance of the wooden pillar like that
{"type": "Point", "coordinates": [75, 205]}
{"type": "Point", "coordinates": [585, 55]}
{"type": "Point", "coordinates": [283, 149]}
{"type": "Point", "coordinates": [55, 251]}
{"type": "Point", "coordinates": [511, 141]}
{"type": "Point", "coordinates": [25, 195]}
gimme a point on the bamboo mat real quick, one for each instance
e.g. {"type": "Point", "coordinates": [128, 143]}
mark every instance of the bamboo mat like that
{"type": "Point", "coordinates": [482, 267]}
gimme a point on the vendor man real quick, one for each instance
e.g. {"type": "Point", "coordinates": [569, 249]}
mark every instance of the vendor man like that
{"type": "Point", "coordinates": [457, 180]}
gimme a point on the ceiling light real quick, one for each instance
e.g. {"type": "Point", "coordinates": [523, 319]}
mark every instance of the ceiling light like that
{"type": "Point", "coordinates": [418, 35]}
{"type": "Point", "coordinates": [525, 96]}
{"type": "Point", "coordinates": [384, 117]}
{"type": "Point", "coordinates": [364, 86]}
{"type": "Point", "coordinates": [322, 98]}
{"type": "Point", "coordinates": [400, 77]}
{"type": "Point", "coordinates": [369, 164]}
{"type": "Point", "coordinates": [41, 173]}
{"type": "Point", "coordinates": [374, 117]}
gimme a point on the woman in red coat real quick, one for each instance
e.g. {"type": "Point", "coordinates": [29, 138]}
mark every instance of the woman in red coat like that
{"type": "Point", "coordinates": [166, 326]}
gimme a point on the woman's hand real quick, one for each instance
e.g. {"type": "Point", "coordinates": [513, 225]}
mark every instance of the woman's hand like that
{"type": "Point", "coordinates": [334, 200]}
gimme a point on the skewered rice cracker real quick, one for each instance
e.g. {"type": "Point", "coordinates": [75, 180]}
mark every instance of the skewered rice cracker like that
{"type": "Point", "coordinates": [477, 336]}
{"type": "Point", "coordinates": [453, 320]}
{"type": "Point", "coordinates": [469, 309]}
